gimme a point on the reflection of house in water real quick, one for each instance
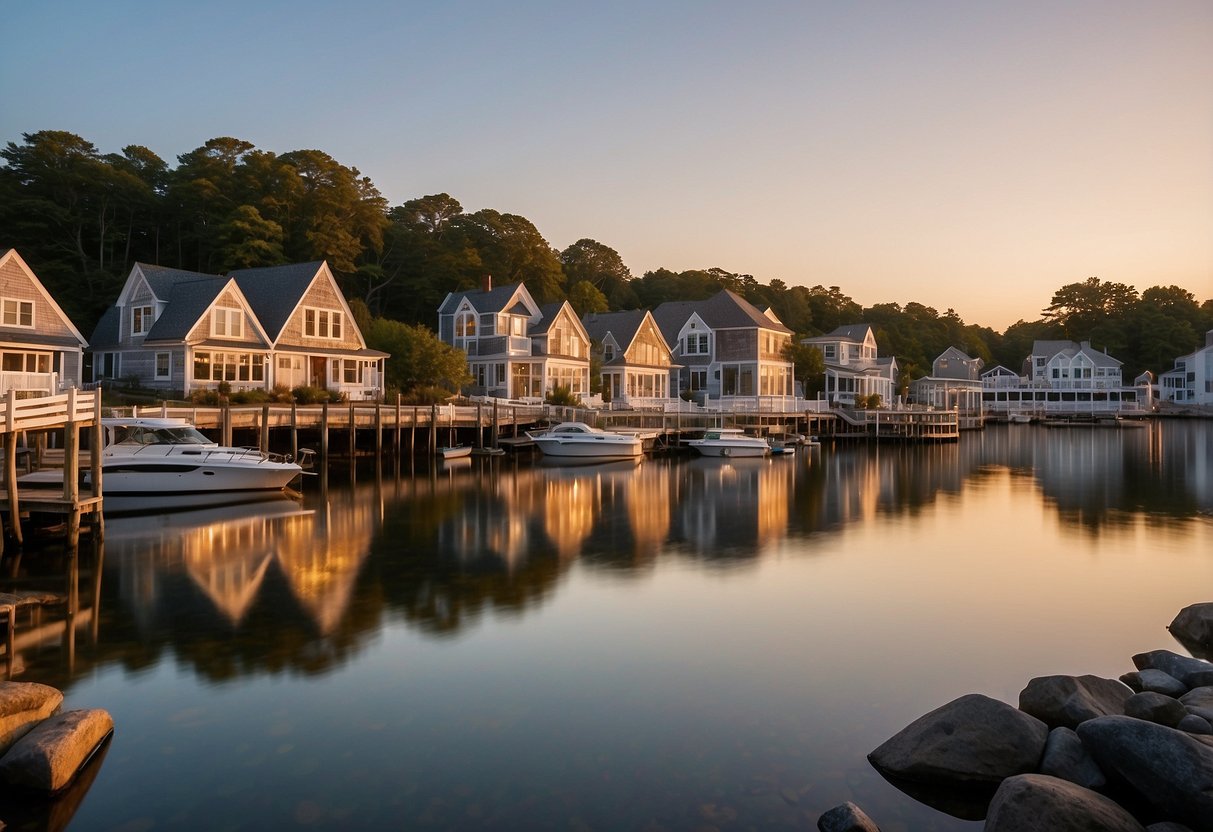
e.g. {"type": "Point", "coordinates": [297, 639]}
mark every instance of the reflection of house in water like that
{"type": "Point", "coordinates": [735, 505]}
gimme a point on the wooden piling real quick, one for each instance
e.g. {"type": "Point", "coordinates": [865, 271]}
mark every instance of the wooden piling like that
{"type": "Point", "coordinates": [10, 474]}
{"type": "Point", "coordinates": [479, 427]}
{"type": "Point", "coordinates": [397, 445]}
{"type": "Point", "coordinates": [353, 434]}
{"type": "Point", "coordinates": [324, 433]}
{"type": "Point", "coordinates": [265, 428]}
{"type": "Point", "coordinates": [433, 430]}
{"type": "Point", "coordinates": [378, 430]}
{"type": "Point", "coordinates": [294, 431]}
{"type": "Point", "coordinates": [496, 426]}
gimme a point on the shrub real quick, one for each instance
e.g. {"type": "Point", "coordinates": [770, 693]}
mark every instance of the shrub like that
{"type": "Point", "coordinates": [307, 394]}
{"type": "Point", "coordinates": [426, 394]}
{"type": "Point", "coordinates": [562, 396]}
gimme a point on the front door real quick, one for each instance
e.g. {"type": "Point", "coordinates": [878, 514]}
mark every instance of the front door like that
{"type": "Point", "coordinates": [317, 376]}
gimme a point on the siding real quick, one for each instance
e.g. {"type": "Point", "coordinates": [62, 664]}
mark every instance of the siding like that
{"type": "Point", "coordinates": [15, 284]}
{"type": "Point", "coordinates": [320, 295]}
{"type": "Point", "coordinates": [736, 344]}
{"type": "Point", "coordinates": [202, 330]}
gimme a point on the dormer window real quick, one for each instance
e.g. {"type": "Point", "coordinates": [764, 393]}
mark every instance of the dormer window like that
{"type": "Point", "coordinates": [322, 323]}
{"type": "Point", "coordinates": [696, 344]}
{"type": "Point", "coordinates": [608, 352]}
{"type": "Point", "coordinates": [227, 322]}
{"type": "Point", "coordinates": [142, 318]}
{"type": "Point", "coordinates": [17, 313]}
{"type": "Point", "coordinates": [465, 325]}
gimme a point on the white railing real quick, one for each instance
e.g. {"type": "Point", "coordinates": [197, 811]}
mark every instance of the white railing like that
{"type": "Point", "coordinates": [46, 411]}
{"type": "Point", "coordinates": [46, 384]}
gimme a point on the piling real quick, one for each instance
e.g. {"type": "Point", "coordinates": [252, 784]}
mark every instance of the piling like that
{"type": "Point", "coordinates": [324, 433]}
{"type": "Point", "coordinates": [265, 428]}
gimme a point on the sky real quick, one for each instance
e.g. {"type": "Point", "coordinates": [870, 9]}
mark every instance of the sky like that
{"type": "Point", "coordinates": [967, 155]}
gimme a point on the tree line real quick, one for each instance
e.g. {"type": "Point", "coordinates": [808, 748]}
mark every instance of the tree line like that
{"type": "Point", "coordinates": [82, 218]}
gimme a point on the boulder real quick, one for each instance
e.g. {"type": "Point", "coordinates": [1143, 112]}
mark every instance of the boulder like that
{"type": "Point", "coordinates": [1193, 628]}
{"type": "Point", "coordinates": [1156, 708]}
{"type": "Point", "coordinates": [48, 757]}
{"type": "Point", "coordinates": [1199, 701]}
{"type": "Point", "coordinates": [1031, 802]}
{"type": "Point", "coordinates": [22, 706]}
{"type": "Point", "coordinates": [1169, 769]}
{"type": "Point", "coordinates": [1154, 680]}
{"type": "Point", "coordinates": [1194, 724]}
{"type": "Point", "coordinates": [973, 740]}
{"type": "Point", "coordinates": [1066, 759]}
{"type": "Point", "coordinates": [1071, 700]}
{"type": "Point", "coordinates": [1173, 664]}
{"type": "Point", "coordinates": [1201, 678]}
{"type": "Point", "coordinates": [846, 818]}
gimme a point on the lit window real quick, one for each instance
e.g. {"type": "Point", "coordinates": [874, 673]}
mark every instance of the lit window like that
{"type": "Point", "coordinates": [141, 320]}
{"type": "Point", "coordinates": [322, 323]}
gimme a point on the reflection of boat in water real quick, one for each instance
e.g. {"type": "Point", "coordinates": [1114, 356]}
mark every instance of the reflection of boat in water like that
{"type": "Point", "coordinates": [579, 441]}
{"type": "Point", "coordinates": [730, 442]}
{"type": "Point", "coordinates": [266, 505]}
{"type": "Point", "coordinates": [575, 466]}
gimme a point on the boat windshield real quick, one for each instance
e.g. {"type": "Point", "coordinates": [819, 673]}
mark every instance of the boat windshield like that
{"type": "Point", "coordinates": [138, 435]}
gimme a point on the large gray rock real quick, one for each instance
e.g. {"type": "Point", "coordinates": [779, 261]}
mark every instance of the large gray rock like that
{"type": "Point", "coordinates": [1169, 769]}
{"type": "Point", "coordinates": [1199, 701]}
{"type": "Point", "coordinates": [1154, 680]}
{"type": "Point", "coordinates": [1066, 759]}
{"type": "Point", "coordinates": [1071, 700]}
{"type": "Point", "coordinates": [1156, 708]}
{"type": "Point", "coordinates": [1193, 627]}
{"type": "Point", "coordinates": [22, 706]}
{"type": "Point", "coordinates": [1032, 802]}
{"type": "Point", "coordinates": [48, 757]}
{"type": "Point", "coordinates": [1173, 664]}
{"type": "Point", "coordinates": [973, 740]}
{"type": "Point", "coordinates": [846, 818]}
{"type": "Point", "coordinates": [1194, 724]}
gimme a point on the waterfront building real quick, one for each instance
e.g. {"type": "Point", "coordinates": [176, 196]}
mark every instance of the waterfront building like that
{"type": "Point", "coordinates": [1190, 381]}
{"type": "Point", "coordinates": [636, 360]}
{"type": "Point", "coordinates": [725, 349]}
{"type": "Point", "coordinates": [255, 329]}
{"type": "Point", "coordinates": [955, 382]}
{"type": "Point", "coordinates": [1065, 378]}
{"type": "Point", "coordinates": [41, 351]}
{"type": "Point", "coordinates": [516, 349]}
{"type": "Point", "coordinates": [853, 366]}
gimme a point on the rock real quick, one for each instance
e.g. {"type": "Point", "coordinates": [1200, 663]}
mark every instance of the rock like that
{"type": "Point", "coordinates": [1156, 708]}
{"type": "Point", "coordinates": [972, 740]}
{"type": "Point", "coordinates": [1154, 680]}
{"type": "Point", "coordinates": [1199, 701]}
{"type": "Point", "coordinates": [1031, 802]}
{"type": "Point", "coordinates": [1071, 700]}
{"type": "Point", "coordinates": [22, 706]}
{"type": "Point", "coordinates": [1181, 667]}
{"type": "Point", "coordinates": [1066, 759]}
{"type": "Point", "coordinates": [48, 757]}
{"type": "Point", "coordinates": [846, 818]}
{"type": "Point", "coordinates": [1194, 724]}
{"type": "Point", "coordinates": [1200, 679]}
{"type": "Point", "coordinates": [1171, 770]}
{"type": "Point", "coordinates": [1167, 826]}
{"type": "Point", "coordinates": [1193, 627]}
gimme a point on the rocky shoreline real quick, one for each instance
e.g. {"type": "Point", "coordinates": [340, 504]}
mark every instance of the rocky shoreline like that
{"type": "Point", "coordinates": [1078, 753]}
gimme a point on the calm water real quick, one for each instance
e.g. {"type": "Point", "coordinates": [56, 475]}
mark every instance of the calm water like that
{"type": "Point", "coordinates": [685, 644]}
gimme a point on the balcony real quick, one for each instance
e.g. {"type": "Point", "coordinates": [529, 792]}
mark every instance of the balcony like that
{"type": "Point", "coordinates": [29, 385]}
{"type": "Point", "coordinates": [495, 345]}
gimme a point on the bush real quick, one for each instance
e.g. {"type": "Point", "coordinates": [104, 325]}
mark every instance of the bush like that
{"type": "Point", "coordinates": [562, 396]}
{"type": "Point", "coordinates": [426, 394]}
{"type": "Point", "coordinates": [307, 394]}
{"type": "Point", "coordinates": [206, 398]}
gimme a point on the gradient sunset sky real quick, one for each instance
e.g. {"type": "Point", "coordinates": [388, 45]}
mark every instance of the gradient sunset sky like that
{"type": "Point", "coordinates": [960, 154]}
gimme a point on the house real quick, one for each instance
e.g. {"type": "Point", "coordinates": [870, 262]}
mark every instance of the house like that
{"type": "Point", "coordinates": [853, 367]}
{"type": "Point", "coordinates": [725, 348]}
{"type": "Point", "coordinates": [1064, 378]}
{"type": "Point", "coordinates": [954, 382]}
{"type": "Point", "coordinates": [1000, 376]}
{"type": "Point", "coordinates": [636, 360]}
{"type": "Point", "coordinates": [41, 351]}
{"type": "Point", "coordinates": [283, 326]}
{"type": "Point", "coordinates": [1190, 381]}
{"type": "Point", "coordinates": [515, 349]}
{"type": "Point", "coordinates": [1066, 365]}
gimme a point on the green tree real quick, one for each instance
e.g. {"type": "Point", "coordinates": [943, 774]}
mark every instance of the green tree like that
{"type": "Point", "coordinates": [599, 265]}
{"type": "Point", "coordinates": [418, 358]}
{"type": "Point", "coordinates": [247, 240]}
{"type": "Point", "coordinates": [513, 251]}
{"type": "Point", "coordinates": [1077, 308]}
{"type": "Point", "coordinates": [808, 366]}
{"type": "Point", "coordinates": [585, 298]}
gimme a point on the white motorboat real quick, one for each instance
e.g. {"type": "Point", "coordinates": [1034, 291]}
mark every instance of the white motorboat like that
{"type": "Point", "coordinates": [730, 442]}
{"type": "Point", "coordinates": [455, 452]}
{"type": "Point", "coordinates": [158, 458]}
{"type": "Point", "coordinates": [579, 441]}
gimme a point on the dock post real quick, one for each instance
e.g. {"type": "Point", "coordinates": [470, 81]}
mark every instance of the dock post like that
{"type": "Point", "coordinates": [324, 433]}
{"type": "Point", "coordinates": [413, 434]}
{"type": "Point", "coordinates": [479, 426]}
{"type": "Point", "coordinates": [433, 430]}
{"type": "Point", "coordinates": [353, 437]}
{"type": "Point", "coordinates": [378, 431]}
{"type": "Point", "coordinates": [294, 431]}
{"type": "Point", "coordinates": [496, 426]}
{"type": "Point", "coordinates": [397, 447]}
{"type": "Point", "coordinates": [265, 428]}
{"type": "Point", "coordinates": [225, 419]}
{"type": "Point", "coordinates": [10, 475]}
{"type": "Point", "coordinates": [71, 458]}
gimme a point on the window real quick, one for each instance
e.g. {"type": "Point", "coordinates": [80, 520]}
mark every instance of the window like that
{"type": "Point", "coordinates": [17, 313]}
{"type": "Point", "coordinates": [699, 379]}
{"type": "Point", "coordinates": [465, 325]}
{"type": "Point", "coordinates": [323, 323]}
{"type": "Point", "coordinates": [608, 352]}
{"type": "Point", "coordinates": [228, 366]}
{"type": "Point", "coordinates": [163, 365]}
{"type": "Point", "coordinates": [696, 344]}
{"type": "Point", "coordinates": [829, 351]}
{"type": "Point", "coordinates": [227, 323]}
{"type": "Point", "coordinates": [141, 319]}
{"type": "Point", "coordinates": [25, 362]}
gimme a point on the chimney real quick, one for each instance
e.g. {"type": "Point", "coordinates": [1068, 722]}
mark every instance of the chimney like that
{"type": "Point", "coordinates": [486, 283]}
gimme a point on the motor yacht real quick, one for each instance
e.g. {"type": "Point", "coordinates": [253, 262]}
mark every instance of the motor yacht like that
{"type": "Point", "coordinates": [730, 442]}
{"type": "Point", "coordinates": [579, 441]}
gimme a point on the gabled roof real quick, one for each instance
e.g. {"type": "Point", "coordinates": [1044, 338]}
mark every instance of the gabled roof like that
{"type": "Point", "coordinates": [11, 255]}
{"type": "Point", "coordinates": [105, 333]}
{"type": "Point", "coordinates": [1048, 349]}
{"type": "Point", "coordinates": [161, 279]}
{"type": "Point", "coordinates": [275, 292]}
{"type": "Point", "coordinates": [1069, 349]}
{"type": "Point", "coordinates": [851, 332]}
{"type": "Point", "coordinates": [724, 310]}
{"type": "Point", "coordinates": [959, 355]}
{"type": "Point", "coordinates": [548, 311]}
{"type": "Point", "coordinates": [999, 370]}
{"type": "Point", "coordinates": [494, 300]}
{"type": "Point", "coordinates": [622, 326]}
{"type": "Point", "coordinates": [185, 302]}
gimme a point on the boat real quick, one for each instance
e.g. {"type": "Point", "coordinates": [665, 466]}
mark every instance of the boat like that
{"type": "Point", "coordinates": [455, 452]}
{"type": "Point", "coordinates": [488, 451]}
{"type": "Point", "coordinates": [168, 461]}
{"type": "Point", "coordinates": [782, 450]}
{"type": "Point", "coordinates": [579, 441]}
{"type": "Point", "coordinates": [1019, 418]}
{"type": "Point", "coordinates": [730, 442]}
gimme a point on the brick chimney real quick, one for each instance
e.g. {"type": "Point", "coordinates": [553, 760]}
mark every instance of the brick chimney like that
{"type": "Point", "coordinates": [486, 283]}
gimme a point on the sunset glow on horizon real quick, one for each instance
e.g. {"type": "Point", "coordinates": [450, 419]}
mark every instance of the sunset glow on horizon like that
{"type": "Point", "coordinates": [967, 156]}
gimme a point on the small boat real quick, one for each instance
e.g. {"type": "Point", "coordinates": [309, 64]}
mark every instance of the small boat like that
{"type": "Point", "coordinates": [577, 440]}
{"type": "Point", "coordinates": [455, 452]}
{"type": "Point", "coordinates": [782, 450]}
{"type": "Point", "coordinates": [732, 442]}
{"type": "Point", "coordinates": [488, 451]}
{"type": "Point", "coordinates": [1019, 418]}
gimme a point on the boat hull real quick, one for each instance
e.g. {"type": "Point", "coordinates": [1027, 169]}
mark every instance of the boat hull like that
{"type": "Point", "coordinates": [128, 477]}
{"type": "Point", "coordinates": [727, 450]}
{"type": "Point", "coordinates": [590, 447]}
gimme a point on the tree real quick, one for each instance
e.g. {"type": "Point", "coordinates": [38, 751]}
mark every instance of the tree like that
{"type": "Point", "coordinates": [248, 240]}
{"type": "Point", "coordinates": [585, 298]}
{"type": "Point", "coordinates": [418, 358]}
{"type": "Point", "coordinates": [512, 250]}
{"type": "Point", "coordinates": [1078, 307]}
{"type": "Point", "coordinates": [808, 366]}
{"type": "Point", "coordinates": [599, 265]}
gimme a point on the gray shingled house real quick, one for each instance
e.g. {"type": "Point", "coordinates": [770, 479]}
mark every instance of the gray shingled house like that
{"type": "Point", "coordinates": [180, 331]}
{"type": "Point", "coordinates": [636, 360]}
{"type": "Point", "coordinates": [41, 351]}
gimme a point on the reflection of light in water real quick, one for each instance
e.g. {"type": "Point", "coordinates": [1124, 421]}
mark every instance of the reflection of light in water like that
{"type": "Point", "coordinates": [569, 508]}
{"type": "Point", "coordinates": [321, 568]}
{"type": "Point", "coordinates": [648, 506]}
